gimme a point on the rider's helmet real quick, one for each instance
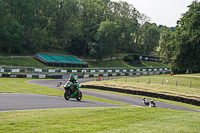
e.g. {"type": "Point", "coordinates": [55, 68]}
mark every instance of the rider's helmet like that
{"type": "Point", "coordinates": [71, 76]}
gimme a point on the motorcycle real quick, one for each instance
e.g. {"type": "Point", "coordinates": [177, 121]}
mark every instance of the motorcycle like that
{"type": "Point", "coordinates": [152, 104]}
{"type": "Point", "coordinates": [72, 91]}
{"type": "Point", "coordinates": [145, 101]}
{"type": "Point", "coordinates": [59, 84]}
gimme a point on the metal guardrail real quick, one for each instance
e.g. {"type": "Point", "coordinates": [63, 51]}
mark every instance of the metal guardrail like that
{"type": "Point", "coordinates": [99, 70]}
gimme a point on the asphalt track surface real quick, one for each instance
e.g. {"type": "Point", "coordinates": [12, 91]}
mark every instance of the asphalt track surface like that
{"type": "Point", "coordinates": [10, 101]}
{"type": "Point", "coordinates": [13, 101]}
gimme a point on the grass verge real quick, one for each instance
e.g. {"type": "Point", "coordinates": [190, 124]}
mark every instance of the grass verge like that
{"type": "Point", "coordinates": [27, 62]}
{"type": "Point", "coordinates": [107, 63]}
{"type": "Point", "coordinates": [168, 87]}
{"type": "Point", "coordinates": [80, 120]}
{"type": "Point", "coordinates": [149, 64]}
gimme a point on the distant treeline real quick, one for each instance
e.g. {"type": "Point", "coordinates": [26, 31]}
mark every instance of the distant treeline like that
{"type": "Point", "coordinates": [182, 47]}
{"type": "Point", "coordinates": [83, 27]}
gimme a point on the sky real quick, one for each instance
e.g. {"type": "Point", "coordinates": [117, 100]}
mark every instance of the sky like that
{"type": "Point", "coordinates": [161, 12]}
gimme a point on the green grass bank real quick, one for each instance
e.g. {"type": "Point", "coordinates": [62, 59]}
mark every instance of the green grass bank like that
{"type": "Point", "coordinates": [101, 120]}
{"type": "Point", "coordinates": [31, 62]}
{"type": "Point", "coordinates": [187, 87]}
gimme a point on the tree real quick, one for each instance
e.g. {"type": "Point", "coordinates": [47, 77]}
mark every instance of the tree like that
{"type": "Point", "coordinates": [95, 50]}
{"type": "Point", "coordinates": [150, 37]}
{"type": "Point", "coordinates": [43, 25]}
{"type": "Point", "coordinates": [165, 45]}
{"type": "Point", "coordinates": [37, 40]}
{"type": "Point", "coordinates": [91, 16]}
{"type": "Point", "coordinates": [186, 41]}
{"type": "Point", "coordinates": [126, 16]}
{"type": "Point", "coordinates": [107, 36]}
{"type": "Point", "coordinates": [12, 35]}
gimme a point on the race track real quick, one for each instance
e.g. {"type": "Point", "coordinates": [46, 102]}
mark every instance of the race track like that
{"type": "Point", "coordinates": [119, 98]}
{"type": "Point", "coordinates": [10, 101]}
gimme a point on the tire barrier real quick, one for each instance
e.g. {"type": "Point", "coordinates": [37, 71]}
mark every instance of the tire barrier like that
{"type": "Point", "coordinates": [14, 76]}
{"type": "Point", "coordinates": [54, 76]}
{"type": "Point", "coordinates": [143, 93]}
{"type": "Point", "coordinates": [31, 76]}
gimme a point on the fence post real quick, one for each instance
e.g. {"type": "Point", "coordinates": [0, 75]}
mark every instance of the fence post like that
{"type": "Point", "coordinates": [138, 80]}
{"type": "Point", "coordinates": [126, 79]}
{"type": "Point", "coordinates": [149, 80]}
{"type": "Point", "coordinates": [190, 84]}
{"type": "Point", "coordinates": [176, 82]}
{"type": "Point", "coordinates": [162, 81]}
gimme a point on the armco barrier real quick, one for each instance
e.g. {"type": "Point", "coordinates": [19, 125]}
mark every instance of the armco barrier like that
{"type": "Point", "coordinates": [143, 93]}
{"type": "Point", "coordinates": [46, 70]}
{"type": "Point", "coordinates": [82, 76]}
{"type": "Point", "coordinates": [59, 76]}
{"type": "Point", "coordinates": [123, 74]}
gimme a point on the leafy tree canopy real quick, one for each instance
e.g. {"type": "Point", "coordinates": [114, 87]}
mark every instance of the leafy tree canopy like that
{"type": "Point", "coordinates": [81, 27]}
{"type": "Point", "coordinates": [182, 48]}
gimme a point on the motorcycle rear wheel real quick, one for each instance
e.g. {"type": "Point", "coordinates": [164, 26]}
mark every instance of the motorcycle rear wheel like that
{"type": "Point", "coordinates": [67, 95]}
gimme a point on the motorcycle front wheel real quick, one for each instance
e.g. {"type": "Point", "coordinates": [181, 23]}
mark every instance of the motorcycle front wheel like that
{"type": "Point", "coordinates": [79, 96]}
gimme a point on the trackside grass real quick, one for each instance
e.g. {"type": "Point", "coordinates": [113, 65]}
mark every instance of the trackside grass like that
{"type": "Point", "coordinates": [157, 84]}
{"type": "Point", "coordinates": [149, 64]}
{"type": "Point", "coordinates": [17, 85]}
{"type": "Point", "coordinates": [108, 63]}
{"type": "Point", "coordinates": [103, 120]}
{"type": "Point", "coordinates": [27, 62]}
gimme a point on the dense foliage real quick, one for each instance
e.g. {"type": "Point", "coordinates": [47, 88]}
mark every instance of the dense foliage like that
{"type": "Point", "coordinates": [97, 28]}
{"type": "Point", "coordinates": [182, 48]}
{"type": "Point", "coordinates": [83, 27]}
{"type": "Point", "coordinates": [127, 58]}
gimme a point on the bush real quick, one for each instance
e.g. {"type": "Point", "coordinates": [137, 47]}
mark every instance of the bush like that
{"type": "Point", "coordinates": [127, 58]}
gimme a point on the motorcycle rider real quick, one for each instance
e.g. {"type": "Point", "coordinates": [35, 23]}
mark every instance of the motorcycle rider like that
{"type": "Point", "coordinates": [145, 101]}
{"type": "Point", "coordinates": [74, 80]}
